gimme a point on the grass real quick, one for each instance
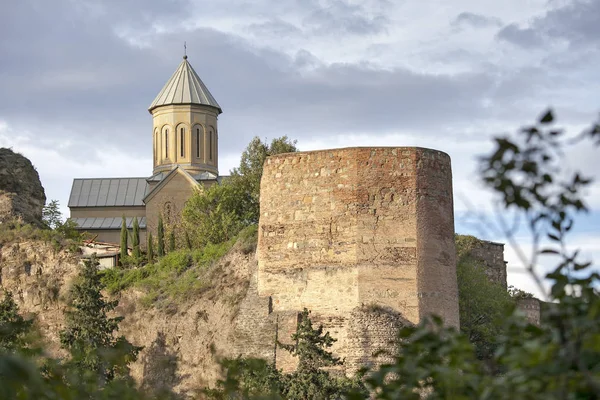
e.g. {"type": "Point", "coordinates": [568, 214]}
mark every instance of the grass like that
{"type": "Point", "coordinates": [63, 238]}
{"type": "Point", "coordinates": [178, 275]}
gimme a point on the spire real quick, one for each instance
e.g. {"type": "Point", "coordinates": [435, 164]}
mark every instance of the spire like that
{"type": "Point", "coordinates": [185, 87]}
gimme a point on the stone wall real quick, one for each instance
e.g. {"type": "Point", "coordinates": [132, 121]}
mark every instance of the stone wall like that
{"type": "Point", "coordinates": [530, 307]}
{"type": "Point", "coordinates": [491, 256]}
{"type": "Point", "coordinates": [348, 228]}
{"type": "Point", "coordinates": [169, 202]}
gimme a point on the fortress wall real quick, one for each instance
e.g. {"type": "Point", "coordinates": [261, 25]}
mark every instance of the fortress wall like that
{"type": "Point", "coordinates": [345, 229]}
{"type": "Point", "coordinates": [436, 253]}
{"type": "Point", "coordinates": [386, 250]}
{"type": "Point", "coordinates": [492, 256]}
{"type": "Point", "coordinates": [530, 307]}
{"type": "Point", "coordinates": [308, 232]}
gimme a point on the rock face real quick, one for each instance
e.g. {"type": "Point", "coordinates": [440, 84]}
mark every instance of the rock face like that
{"type": "Point", "coordinates": [21, 193]}
{"type": "Point", "coordinates": [182, 343]}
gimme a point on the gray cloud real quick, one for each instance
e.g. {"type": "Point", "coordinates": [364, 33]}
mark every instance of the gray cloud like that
{"type": "Point", "coordinates": [524, 37]}
{"type": "Point", "coordinates": [342, 17]}
{"type": "Point", "coordinates": [576, 22]}
{"type": "Point", "coordinates": [82, 83]}
{"type": "Point", "coordinates": [274, 28]}
{"type": "Point", "coordinates": [475, 20]}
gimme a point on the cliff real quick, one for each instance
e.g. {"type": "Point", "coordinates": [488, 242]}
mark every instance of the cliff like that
{"type": "Point", "coordinates": [22, 196]}
{"type": "Point", "coordinates": [178, 340]}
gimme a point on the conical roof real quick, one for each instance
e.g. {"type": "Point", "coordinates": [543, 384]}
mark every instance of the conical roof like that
{"type": "Point", "coordinates": [185, 87]}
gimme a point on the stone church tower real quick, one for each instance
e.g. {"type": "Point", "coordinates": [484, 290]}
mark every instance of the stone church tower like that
{"type": "Point", "coordinates": [184, 124]}
{"type": "Point", "coordinates": [185, 145]}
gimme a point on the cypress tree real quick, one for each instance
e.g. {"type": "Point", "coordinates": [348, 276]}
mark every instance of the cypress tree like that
{"type": "Point", "coordinates": [161, 237]}
{"type": "Point", "coordinates": [172, 240]}
{"type": "Point", "coordinates": [123, 239]}
{"type": "Point", "coordinates": [150, 248]}
{"type": "Point", "coordinates": [136, 239]}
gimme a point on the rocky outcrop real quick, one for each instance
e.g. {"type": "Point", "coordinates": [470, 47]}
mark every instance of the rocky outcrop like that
{"type": "Point", "coordinates": [22, 196]}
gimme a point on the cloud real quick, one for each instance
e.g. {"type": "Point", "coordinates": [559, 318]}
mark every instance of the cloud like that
{"type": "Point", "coordinates": [343, 17]}
{"type": "Point", "coordinates": [475, 20]}
{"type": "Point", "coordinates": [525, 37]}
{"type": "Point", "coordinates": [575, 22]}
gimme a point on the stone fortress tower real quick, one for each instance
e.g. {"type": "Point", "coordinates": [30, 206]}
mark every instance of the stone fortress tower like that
{"type": "Point", "coordinates": [362, 237]}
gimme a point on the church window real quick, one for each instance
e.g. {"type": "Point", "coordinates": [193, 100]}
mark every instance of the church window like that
{"type": "Point", "coordinates": [181, 139]}
{"type": "Point", "coordinates": [210, 146]}
{"type": "Point", "coordinates": [166, 143]}
{"type": "Point", "coordinates": [198, 138]}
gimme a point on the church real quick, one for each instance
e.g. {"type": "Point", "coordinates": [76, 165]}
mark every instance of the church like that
{"type": "Point", "coordinates": [185, 157]}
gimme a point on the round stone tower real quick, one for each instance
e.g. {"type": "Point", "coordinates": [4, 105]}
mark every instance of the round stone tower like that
{"type": "Point", "coordinates": [184, 125]}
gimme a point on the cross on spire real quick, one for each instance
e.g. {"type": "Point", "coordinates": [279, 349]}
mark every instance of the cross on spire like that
{"type": "Point", "coordinates": [184, 51]}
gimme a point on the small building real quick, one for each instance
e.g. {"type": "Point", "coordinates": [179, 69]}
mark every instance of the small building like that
{"type": "Point", "coordinates": [185, 158]}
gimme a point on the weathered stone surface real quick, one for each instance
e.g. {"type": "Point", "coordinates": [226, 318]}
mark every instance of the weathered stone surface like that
{"type": "Point", "coordinates": [531, 309]}
{"type": "Point", "coordinates": [491, 257]}
{"type": "Point", "coordinates": [344, 228]}
{"type": "Point", "coordinates": [21, 193]}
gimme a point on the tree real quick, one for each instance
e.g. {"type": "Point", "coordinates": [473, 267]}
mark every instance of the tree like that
{"type": "Point", "coordinates": [150, 251]}
{"type": "Point", "coordinates": [172, 240]}
{"type": "Point", "coordinates": [161, 237]}
{"type": "Point", "coordinates": [13, 328]}
{"type": "Point", "coordinates": [89, 332]}
{"type": "Point", "coordinates": [51, 214]}
{"type": "Point", "coordinates": [482, 303]}
{"type": "Point", "coordinates": [218, 213]}
{"type": "Point", "coordinates": [253, 378]}
{"type": "Point", "coordinates": [310, 381]}
{"type": "Point", "coordinates": [124, 252]}
{"type": "Point", "coordinates": [249, 172]}
{"type": "Point", "coordinates": [136, 239]}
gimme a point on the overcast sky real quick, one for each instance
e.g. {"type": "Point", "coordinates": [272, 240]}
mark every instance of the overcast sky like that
{"type": "Point", "coordinates": [77, 77]}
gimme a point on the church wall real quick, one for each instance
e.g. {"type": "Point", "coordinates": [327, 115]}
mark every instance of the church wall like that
{"type": "Point", "coordinates": [168, 201]}
{"type": "Point", "coordinates": [345, 229]}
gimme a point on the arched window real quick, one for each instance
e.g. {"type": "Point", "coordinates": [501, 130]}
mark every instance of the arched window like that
{"type": "Point", "coordinates": [198, 142]}
{"type": "Point", "coordinates": [181, 141]}
{"type": "Point", "coordinates": [210, 145]}
{"type": "Point", "coordinates": [166, 143]}
{"type": "Point", "coordinates": [156, 145]}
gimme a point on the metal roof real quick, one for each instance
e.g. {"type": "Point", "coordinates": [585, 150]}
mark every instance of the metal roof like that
{"type": "Point", "coordinates": [108, 192]}
{"type": "Point", "coordinates": [92, 223]}
{"type": "Point", "coordinates": [185, 87]}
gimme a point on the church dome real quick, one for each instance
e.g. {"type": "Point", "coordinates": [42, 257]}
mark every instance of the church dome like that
{"type": "Point", "coordinates": [185, 87]}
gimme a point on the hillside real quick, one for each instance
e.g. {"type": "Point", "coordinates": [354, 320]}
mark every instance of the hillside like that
{"type": "Point", "coordinates": [182, 338]}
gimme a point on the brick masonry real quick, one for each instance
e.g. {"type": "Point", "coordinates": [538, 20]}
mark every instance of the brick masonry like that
{"type": "Point", "coordinates": [350, 230]}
